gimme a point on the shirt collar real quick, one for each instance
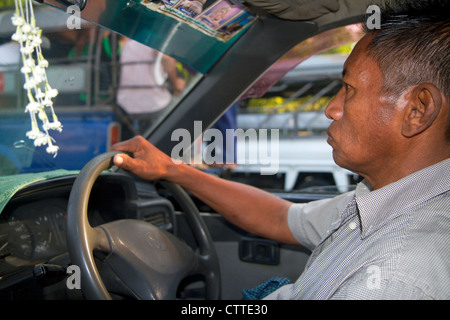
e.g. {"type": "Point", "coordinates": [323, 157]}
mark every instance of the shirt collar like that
{"type": "Point", "coordinates": [380, 206]}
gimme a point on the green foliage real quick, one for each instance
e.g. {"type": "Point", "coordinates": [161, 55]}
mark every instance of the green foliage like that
{"type": "Point", "coordinates": [344, 49]}
{"type": "Point", "coordinates": [279, 105]}
{"type": "Point", "coordinates": [7, 4]}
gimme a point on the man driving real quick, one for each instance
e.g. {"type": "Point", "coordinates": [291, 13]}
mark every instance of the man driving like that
{"type": "Point", "coordinates": [389, 238]}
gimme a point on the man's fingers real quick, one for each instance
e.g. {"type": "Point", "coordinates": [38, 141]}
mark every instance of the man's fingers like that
{"type": "Point", "coordinates": [131, 145]}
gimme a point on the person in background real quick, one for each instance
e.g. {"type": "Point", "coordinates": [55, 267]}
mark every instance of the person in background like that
{"type": "Point", "coordinates": [143, 91]}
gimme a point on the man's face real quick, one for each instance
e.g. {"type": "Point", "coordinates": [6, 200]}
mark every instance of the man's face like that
{"type": "Point", "coordinates": [365, 127]}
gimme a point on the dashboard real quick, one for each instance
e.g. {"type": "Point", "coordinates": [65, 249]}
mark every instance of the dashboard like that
{"type": "Point", "coordinates": [33, 225]}
{"type": "Point", "coordinates": [33, 231]}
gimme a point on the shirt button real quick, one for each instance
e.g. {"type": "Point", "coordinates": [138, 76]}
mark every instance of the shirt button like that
{"type": "Point", "coordinates": [352, 225]}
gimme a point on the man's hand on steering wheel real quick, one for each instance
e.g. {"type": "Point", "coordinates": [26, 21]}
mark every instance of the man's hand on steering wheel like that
{"type": "Point", "coordinates": [148, 162]}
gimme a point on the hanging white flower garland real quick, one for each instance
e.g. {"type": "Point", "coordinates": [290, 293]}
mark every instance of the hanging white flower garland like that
{"type": "Point", "coordinates": [39, 91]}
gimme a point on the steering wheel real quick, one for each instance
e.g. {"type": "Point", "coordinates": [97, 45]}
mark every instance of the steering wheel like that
{"type": "Point", "coordinates": [146, 262]}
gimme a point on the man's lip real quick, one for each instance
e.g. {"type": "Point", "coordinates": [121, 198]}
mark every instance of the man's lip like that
{"type": "Point", "coordinates": [330, 137]}
{"type": "Point", "coordinates": [330, 141]}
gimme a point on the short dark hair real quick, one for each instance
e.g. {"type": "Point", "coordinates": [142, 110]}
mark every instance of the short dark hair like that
{"type": "Point", "coordinates": [413, 45]}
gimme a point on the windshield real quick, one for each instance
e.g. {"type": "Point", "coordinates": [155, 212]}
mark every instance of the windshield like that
{"type": "Point", "coordinates": [103, 86]}
{"type": "Point", "coordinates": [99, 86]}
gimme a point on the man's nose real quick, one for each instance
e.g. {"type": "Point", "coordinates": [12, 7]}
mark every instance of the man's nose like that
{"type": "Point", "coordinates": [334, 109]}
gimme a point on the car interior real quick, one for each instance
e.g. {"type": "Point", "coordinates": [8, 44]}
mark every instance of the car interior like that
{"type": "Point", "coordinates": [151, 240]}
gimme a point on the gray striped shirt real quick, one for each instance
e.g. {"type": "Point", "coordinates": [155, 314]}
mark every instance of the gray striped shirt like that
{"type": "Point", "coordinates": [390, 243]}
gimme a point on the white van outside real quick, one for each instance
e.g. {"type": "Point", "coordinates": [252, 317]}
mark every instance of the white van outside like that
{"type": "Point", "coordinates": [305, 158]}
{"type": "Point", "coordinates": [303, 163]}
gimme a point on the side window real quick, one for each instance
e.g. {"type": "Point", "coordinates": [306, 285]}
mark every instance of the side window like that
{"type": "Point", "coordinates": [281, 141]}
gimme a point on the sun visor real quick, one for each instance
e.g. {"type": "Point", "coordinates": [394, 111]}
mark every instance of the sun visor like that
{"type": "Point", "coordinates": [195, 36]}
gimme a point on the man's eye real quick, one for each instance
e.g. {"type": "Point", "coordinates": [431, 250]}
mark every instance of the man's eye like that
{"type": "Point", "coordinates": [345, 85]}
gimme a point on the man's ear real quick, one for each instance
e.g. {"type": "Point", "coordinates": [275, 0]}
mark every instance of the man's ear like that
{"type": "Point", "coordinates": [423, 108]}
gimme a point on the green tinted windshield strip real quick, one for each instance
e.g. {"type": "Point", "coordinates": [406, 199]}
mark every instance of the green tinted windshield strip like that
{"type": "Point", "coordinates": [161, 31]}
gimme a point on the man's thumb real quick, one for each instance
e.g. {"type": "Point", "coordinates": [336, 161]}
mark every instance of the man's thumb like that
{"type": "Point", "coordinates": [120, 160]}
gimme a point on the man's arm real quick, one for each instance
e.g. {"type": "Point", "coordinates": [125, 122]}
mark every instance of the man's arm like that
{"type": "Point", "coordinates": [254, 210]}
